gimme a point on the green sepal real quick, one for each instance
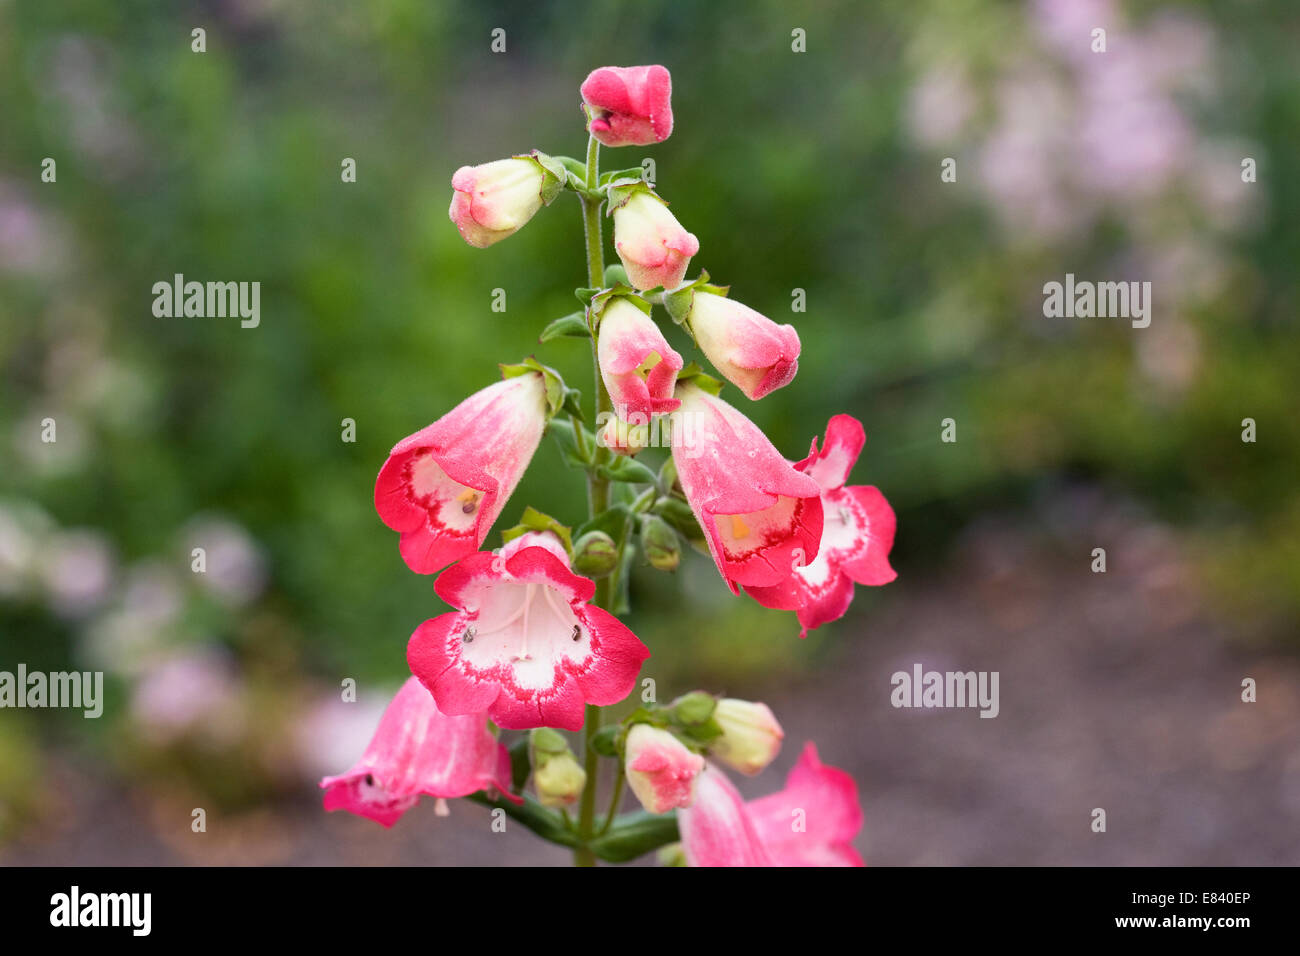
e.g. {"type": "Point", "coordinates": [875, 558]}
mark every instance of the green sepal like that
{"type": "Point", "coordinates": [534, 520]}
{"type": "Point", "coordinates": [555, 174]}
{"type": "Point", "coordinates": [616, 275]}
{"type": "Point", "coordinates": [619, 191]}
{"type": "Point", "coordinates": [585, 295]}
{"type": "Point", "coordinates": [626, 469]}
{"type": "Point", "coordinates": [629, 175]}
{"type": "Point", "coordinates": [605, 741]}
{"type": "Point", "coordinates": [556, 390]}
{"type": "Point", "coordinates": [573, 325]}
{"type": "Point", "coordinates": [681, 300]}
{"type": "Point", "coordinates": [697, 376]}
{"type": "Point", "coordinates": [603, 297]}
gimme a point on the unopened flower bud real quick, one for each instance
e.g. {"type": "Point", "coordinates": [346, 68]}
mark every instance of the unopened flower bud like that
{"type": "Point", "coordinates": [557, 776]}
{"type": "Point", "coordinates": [629, 105]}
{"type": "Point", "coordinates": [652, 245]}
{"type": "Point", "coordinates": [750, 350]}
{"type": "Point", "coordinates": [494, 200]}
{"type": "Point", "coordinates": [659, 542]}
{"type": "Point", "coordinates": [660, 769]}
{"type": "Point", "coordinates": [624, 438]}
{"type": "Point", "coordinates": [751, 737]}
{"type": "Point", "coordinates": [671, 855]}
{"type": "Point", "coordinates": [595, 555]}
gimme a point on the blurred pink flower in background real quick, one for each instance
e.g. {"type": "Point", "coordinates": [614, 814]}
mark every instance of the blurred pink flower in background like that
{"type": "Point", "coordinates": [236, 569]}
{"type": "Point", "coordinates": [77, 569]}
{"type": "Point", "coordinates": [191, 690]}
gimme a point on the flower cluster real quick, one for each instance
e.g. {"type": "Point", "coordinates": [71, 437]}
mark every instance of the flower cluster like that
{"type": "Point", "coordinates": [534, 642]}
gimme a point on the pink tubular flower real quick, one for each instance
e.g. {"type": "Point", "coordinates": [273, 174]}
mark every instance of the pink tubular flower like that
{"type": "Point", "coordinates": [660, 769]}
{"type": "Point", "coordinates": [761, 517]}
{"type": "Point", "coordinates": [629, 105]}
{"type": "Point", "coordinates": [638, 365]}
{"type": "Point", "coordinates": [420, 750]}
{"type": "Point", "coordinates": [750, 350]}
{"type": "Point", "coordinates": [494, 200]}
{"type": "Point", "coordinates": [812, 822]}
{"type": "Point", "coordinates": [444, 486]}
{"type": "Point", "coordinates": [856, 538]}
{"type": "Point", "coordinates": [525, 645]}
{"type": "Point", "coordinates": [652, 245]}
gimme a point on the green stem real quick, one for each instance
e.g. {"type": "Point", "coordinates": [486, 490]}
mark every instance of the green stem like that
{"type": "Point", "coordinates": [614, 802]}
{"type": "Point", "coordinates": [597, 502]}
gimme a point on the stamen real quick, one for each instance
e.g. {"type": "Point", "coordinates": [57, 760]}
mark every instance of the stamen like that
{"type": "Point", "coordinates": [577, 633]}
{"type": "Point", "coordinates": [470, 633]}
{"type": "Point", "coordinates": [738, 527]}
{"type": "Point", "coordinates": [845, 515]}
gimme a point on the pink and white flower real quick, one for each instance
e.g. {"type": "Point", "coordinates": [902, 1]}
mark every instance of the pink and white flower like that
{"type": "Point", "coordinates": [652, 245]}
{"type": "Point", "coordinates": [524, 646]}
{"type": "Point", "coordinates": [857, 535]}
{"type": "Point", "coordinates": [444, 486]}
{"type": "Point", "coordinates": [750, 350]}
{"type": "Point", "coordinates": [494, 200]}
{"type": "Point", "coordinates": [760, 516]}
{"type": "Point", "coordinates": [418, 750]}
{"type": "Point", "coordinates": [812, 822]}
{"type": "Point", "coordinates": [629, 105]}
{"type": "Point", "coordinates": [637, 364]}
{"type": "Point", "coordinates": [660, 769]}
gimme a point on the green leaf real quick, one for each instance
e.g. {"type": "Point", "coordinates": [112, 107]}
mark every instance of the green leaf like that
{"type": "Point", "coordinates": [613, 521]}
{"type": "Point", "coordinates": [634, 835]}
{"type": "Point", "coordinates": [565, 437]}
{"type": "Point", "coordinates": [627, 469]}
{"type": "Point", "coordinates": [534, 520]}
{"type": "Point", "coordinates": [573, 325]}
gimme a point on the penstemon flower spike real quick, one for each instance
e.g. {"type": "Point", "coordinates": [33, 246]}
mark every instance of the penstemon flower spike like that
{"type": "Point", "coordinates": [535, 643]}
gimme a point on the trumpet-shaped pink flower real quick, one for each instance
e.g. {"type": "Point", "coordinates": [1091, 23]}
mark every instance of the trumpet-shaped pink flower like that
{"type": "Point", "coordinates": [444, 486]}
{"type": "Point", "coordinates": [525, 646]}
{"type": "Point", "coordinates": [638, 365]}
{"type": "Point", "coordinates": [857, 535]}
{"type": "Point", "coordinates": [418, 750]}
{"type": "Point", "coordinates": [812, 822]}
{"type": "Point", "coordinates": [629, 105]}
{"type": "Point", "coordinates": [750, 350]}
{"type": "Point", "coordinates": [650, 242]}
{"type": "Point", "coordinates": [661, 770]}
{"type": "Point", "coordinates": [492, 201]}
{"type": "Point", "coordinates": [761, 517]}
